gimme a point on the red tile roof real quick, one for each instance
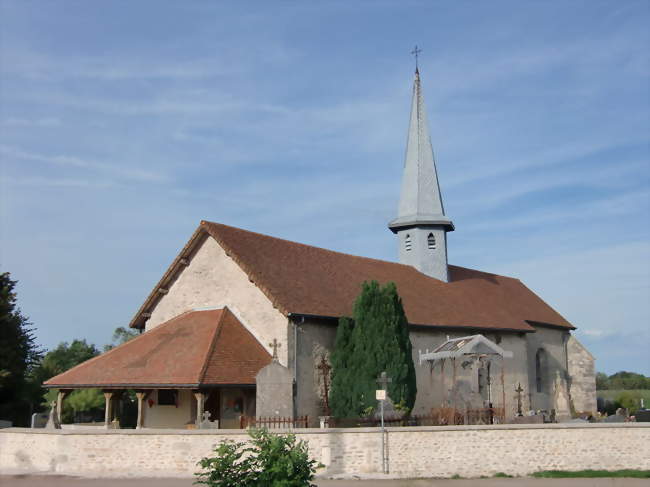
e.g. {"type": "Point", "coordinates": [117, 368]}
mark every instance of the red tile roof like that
{"type": "Point", "coordinates": [301, 279]}
{"type": "Point", "coordinates": [194, 349]}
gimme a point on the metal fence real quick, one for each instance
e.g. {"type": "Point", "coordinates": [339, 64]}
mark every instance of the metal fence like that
{"type": "Point", "coordinates": [273, 422]}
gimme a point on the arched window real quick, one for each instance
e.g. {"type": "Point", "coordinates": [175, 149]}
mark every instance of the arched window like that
{"type": "Point", "coordinates": [540, 369]}
{"type": "Point", "coordinates": [431, 241]}
{"type": "Point", "coordinates": [407, 242]}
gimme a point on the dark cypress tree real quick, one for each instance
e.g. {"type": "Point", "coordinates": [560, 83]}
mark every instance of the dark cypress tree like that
{"type": "Point", "coordinates": [378, 341]}
{"type": "Point", "coordinates": [342, 378]}
{"type": "Point", "coordinates": [19, 354]}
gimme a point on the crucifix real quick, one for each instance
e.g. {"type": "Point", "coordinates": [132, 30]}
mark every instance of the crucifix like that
{"type": "Point", "coordinates": [324, 369]}
{"type": "Point", "coordinates": [519, 390]}
{"type": "Point", "coordinates": [415, 52]}
{"type": "Point", "coordinates": [275, 345]}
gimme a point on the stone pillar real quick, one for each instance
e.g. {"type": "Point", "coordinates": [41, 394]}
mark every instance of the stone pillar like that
{"type": "Point", "coordinates": [141, 395]}
{"type": "Point", "coordinates": [108, 408]}
{"type": "Point", "coordinates": [200, 406]}
{"type": "Point", "coordinates": [62, 394]}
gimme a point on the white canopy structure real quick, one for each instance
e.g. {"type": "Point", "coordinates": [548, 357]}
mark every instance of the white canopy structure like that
{"type": "Point", "coordinates": [474, 345]}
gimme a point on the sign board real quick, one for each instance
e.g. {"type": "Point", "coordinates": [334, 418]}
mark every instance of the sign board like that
{"type": "Point", "coordinates": [380, 394]}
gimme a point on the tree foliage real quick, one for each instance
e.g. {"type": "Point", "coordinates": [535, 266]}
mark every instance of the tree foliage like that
{"type": "Point", "coordinates": [376, 339]}
{"type": "Point", "coordinates": [622, 380]}
{"type": "Point", "coordinates": [19, 354]}
{"type": "Point", "coordinates": [121, 335]}
{"type": "Point", "coordinates": [269, 461]}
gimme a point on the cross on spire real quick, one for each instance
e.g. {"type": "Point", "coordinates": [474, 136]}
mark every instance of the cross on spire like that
{"type": "Point", "coordinates": [275, 345]}
{"type": "Point", "coordinates": [415, 52]}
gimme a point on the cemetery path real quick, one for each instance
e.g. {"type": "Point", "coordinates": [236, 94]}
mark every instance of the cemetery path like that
{"type": "Point", "coordinates": [65, 481]}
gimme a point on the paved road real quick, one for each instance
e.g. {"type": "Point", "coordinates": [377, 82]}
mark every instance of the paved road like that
{"type": "Point", "coordinates": [63, 481]}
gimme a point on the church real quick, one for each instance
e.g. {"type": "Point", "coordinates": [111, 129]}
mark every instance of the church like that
{"type": "Point", "coordinates": [241, 324]}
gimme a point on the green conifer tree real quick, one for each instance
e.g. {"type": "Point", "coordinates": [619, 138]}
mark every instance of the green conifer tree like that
{"type": "Point", "coordinates": [377, 341]}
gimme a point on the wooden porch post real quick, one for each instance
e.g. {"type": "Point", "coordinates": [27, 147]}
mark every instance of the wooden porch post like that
{"type": "Point", "coordinates": [141, 395]}
{"type": "Point", "coordinates": [200, 406]}
{"type": "Point", "coordinates": [63, 393]}
{"type": "Point", "coordinates": [108, 409]}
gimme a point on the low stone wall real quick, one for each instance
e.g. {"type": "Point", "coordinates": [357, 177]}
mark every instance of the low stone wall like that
{"type": "Point", "coordinates": [469, 451]}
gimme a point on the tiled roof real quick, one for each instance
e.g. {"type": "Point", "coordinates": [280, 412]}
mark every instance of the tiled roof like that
{"type": "Point", "coordinates": [193, 349]}
{"type": "Point", "coordinates": [302, 279]}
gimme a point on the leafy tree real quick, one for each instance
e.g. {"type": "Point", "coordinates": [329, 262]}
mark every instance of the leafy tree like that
{"type": "Point", "coordinates": [628, 380]}
{"type": "Point", "coordinates": [65, 356]}
{"type": "Point", "coordinates": [18, 356]}
{"type": "Point", "coordinates": [270, 460]}
{"type": "Point", "coordinates": [121, 335]}
{"type": "Point", "coordinates": [629, 400]}
{"type": "Point", "coordinates": [622, 380]}
{"type": "Point", "coordinates": [602, 381]}
{"type": "Point", "coordinates": [58, 360]}
{"type": "Point", "coordinates": [375, 340]}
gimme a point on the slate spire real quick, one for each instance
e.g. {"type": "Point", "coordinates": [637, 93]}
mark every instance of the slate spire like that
{"type": "Point", "coordinates": [421, 223]}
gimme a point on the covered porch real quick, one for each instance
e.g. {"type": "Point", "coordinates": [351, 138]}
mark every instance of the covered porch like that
{"type": "Point", "coordinates": [195, 371]}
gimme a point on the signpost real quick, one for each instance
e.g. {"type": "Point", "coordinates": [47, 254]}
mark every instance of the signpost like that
{"type": "Point", "coordinates": [380, 394]}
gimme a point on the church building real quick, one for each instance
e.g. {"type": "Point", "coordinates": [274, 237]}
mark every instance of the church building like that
{"type": "Point", "coordinates": [241, 325]}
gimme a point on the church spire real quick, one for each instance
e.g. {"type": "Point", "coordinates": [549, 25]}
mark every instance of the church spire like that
{"type": "Point", "coordinates": [421, 224]}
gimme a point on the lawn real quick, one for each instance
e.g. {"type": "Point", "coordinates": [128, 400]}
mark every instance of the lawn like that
{"type": "Point", "coordinates": [557, 474]}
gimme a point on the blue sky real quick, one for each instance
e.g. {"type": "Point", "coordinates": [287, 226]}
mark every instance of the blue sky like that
{"type": "Point", "coordinates": [123, 124]}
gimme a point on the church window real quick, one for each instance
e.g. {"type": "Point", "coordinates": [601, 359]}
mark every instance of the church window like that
{"type": "Point", "coordinates": [167, 397]}
{"type": "Point", "coordinates": [540, 370]}
{"type": "Point", "coordinates": [407, 242]}
{"type": "Point", "coordinates": [431, 241]}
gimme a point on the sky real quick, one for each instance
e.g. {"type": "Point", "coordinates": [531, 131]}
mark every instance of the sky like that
{"type": "Point", "coordinates": [123, 124]}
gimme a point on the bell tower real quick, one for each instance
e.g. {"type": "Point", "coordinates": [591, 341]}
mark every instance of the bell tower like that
{"type": "Point", "coordinates": [421, 225]}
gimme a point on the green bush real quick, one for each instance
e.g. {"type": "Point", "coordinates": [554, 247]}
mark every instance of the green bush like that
{"type": "Point", "coordinates": [630, 400]}
{"type": "Point", "coordinates": [270, 460]}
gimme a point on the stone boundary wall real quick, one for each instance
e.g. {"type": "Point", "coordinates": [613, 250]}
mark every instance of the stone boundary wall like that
{"type": "Point", "coordinates": [469, 451]}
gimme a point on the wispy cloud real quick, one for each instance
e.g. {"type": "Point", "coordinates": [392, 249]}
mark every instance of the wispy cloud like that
{"type": "Point", "coordinates": [133, 174]}
{"type": "Point", "coordinates": [26, 122]}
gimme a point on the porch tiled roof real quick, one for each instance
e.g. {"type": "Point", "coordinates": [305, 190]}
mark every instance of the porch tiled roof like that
{"type": "Point", "coordinates": [196, 348]}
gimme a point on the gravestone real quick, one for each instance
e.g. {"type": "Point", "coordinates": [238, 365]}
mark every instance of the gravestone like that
{"type": "Point", "coordinates": [39, 420]}
{"type": "Point", "coordinates": [206, 424]}
{"type": "Point", "coordinates": [274, 391]}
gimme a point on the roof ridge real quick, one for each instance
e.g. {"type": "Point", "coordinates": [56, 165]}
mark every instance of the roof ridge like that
{"type": "Point", "coordinates": [343, 253]}
{"type": "Point", "coordinates": [213, 344]}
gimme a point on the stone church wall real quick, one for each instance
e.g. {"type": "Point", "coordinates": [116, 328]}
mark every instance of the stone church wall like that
{"type": "Point", "coordinates": [553, 342]}
{"type": "Point", "coordinates": [433, 392]}
{"type": "Point", "coordinates": [582, 369]}
{"type": "Point", "coordinates": [468, 451]}
{"type": "Point", "coordinates": [316, 339]}
{"type": "Point", "coordinates": [214, 280]}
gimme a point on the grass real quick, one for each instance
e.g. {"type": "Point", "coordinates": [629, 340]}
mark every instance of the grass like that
{"type": "Point", "coordinates": [561, 474]}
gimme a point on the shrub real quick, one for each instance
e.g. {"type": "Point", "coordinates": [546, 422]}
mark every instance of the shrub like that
{"type": "Point", "coordinates": [629, 400]}
{"type": "Point", "coordinates": [270, 460]}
